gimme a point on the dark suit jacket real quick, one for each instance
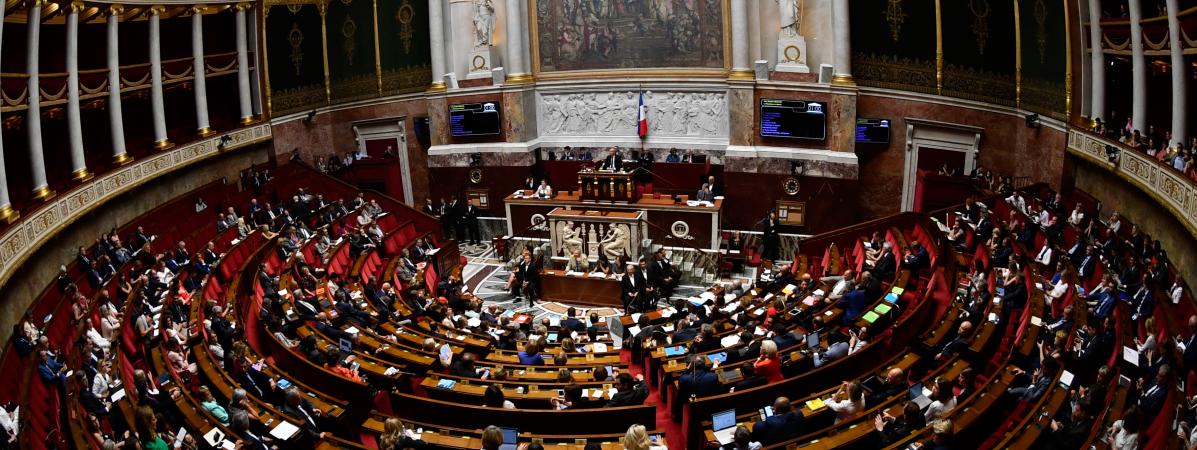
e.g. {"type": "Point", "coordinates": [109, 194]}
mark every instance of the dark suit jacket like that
{"type": "Point", "coordinates": [629, 289]}
{"type": "Point", "coordinates": [631, 397]}
{"type": "Point", "coordinates": [612, 162]}
{"type": "Point", "coordinates": [701, 383]}
{"type": "Point", "coordinates": [572, 324]}
{"type": "Point", "coordinates": [778, 428]}
{"type": "Point", "coordinates": [884, 269]}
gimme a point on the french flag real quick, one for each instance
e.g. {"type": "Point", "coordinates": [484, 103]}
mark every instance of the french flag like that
{"type": "Point", "coordinates": [642, 118]}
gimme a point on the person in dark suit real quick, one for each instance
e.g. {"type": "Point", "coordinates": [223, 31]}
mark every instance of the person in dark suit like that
{"type": "Point", "coordinates": [455, 211]}
{"type": "Point", "coordinates": [528, 278]}
{"type": "Point", "coordinates": [1190, 344]}
{"type": "Point", "coordinates": [892, 429]}
{"type": "Point", "coordinates": [631, 391]}
{"type": "Point", "coordinates": [572, 323]}
{"type": "Point", "coordinates": [469, 216]}
{"type": "Point", "coordinates": [698, 382]}
{"type": "Point", "coordinates": [784, 424]}
{"type": "Point", "coordinates": [1040, 381]}
{"type": "Point", "coordinates": [662, 274]}
{"type": "Point", "coordinates": [632, 289]}
{"type": "Point", "coordinates": [613, 161]}
{"type": "Point", "coordinates": [1087, 264]}
{"type": "Point", "coordinates": [886, 263]}
{"type": "Point", "coordinates": [1072, 433]}
{"type": "Point", "coordinates": [958, 343]}
{"type": "Point", "coordinates": [1151, 397]}
{"type": "Point", "coordinates": [431, 209]}
{"type": "Point", "coordinates": [239, 423]}
{"type": "Point", "coordinates": [854, 304]}
{"type": "Point", "coordinates": [299, 408]}
{"type": "Point", "coordinates": [894, 384]}
{"type": "Point", "coordinates": [918, 258]}
{"type": "Point", "coordinates": [771, 238]}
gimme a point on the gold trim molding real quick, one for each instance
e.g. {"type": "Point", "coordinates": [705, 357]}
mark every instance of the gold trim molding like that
{"type": "Point", "coordinates": [19, 242]}
{"type": "Point", "coordinates": [1163, 184]}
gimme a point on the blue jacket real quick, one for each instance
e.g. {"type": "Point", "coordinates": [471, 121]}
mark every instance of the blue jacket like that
{"type": "Point", "coordinates": [854, 304]}
{"type": "Point", "coordinates": [531, 360]}
{"type": "Point", "coordinates": [778, 428]}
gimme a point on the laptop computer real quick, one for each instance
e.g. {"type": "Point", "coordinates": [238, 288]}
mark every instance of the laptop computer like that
{"type": "Point", "coordinates": [509, 438]}
{"type": "Point", "coordinates": [724, 424]}
{"type": "Point", "coordinates": [918, 394]}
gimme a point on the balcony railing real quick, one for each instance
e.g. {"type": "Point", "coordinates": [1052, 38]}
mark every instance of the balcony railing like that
{"type": "Point", "coordinates": [1168, 186]}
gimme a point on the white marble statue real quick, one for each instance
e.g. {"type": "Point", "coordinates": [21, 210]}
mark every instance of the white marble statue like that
{"type": "Point", "coordinates": [484, 22]}
{"type": "Point", "coordinates": [615, 243]}
{"type": "Point", "coordinates": [571, 238]}
{"type": "Point", "coordinates": [791, 17]}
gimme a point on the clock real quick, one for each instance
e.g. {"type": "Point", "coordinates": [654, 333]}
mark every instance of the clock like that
{"type": "Point", "coordinates": [790, 185]}
{"type": "Point", "coordinates": [475, 176]}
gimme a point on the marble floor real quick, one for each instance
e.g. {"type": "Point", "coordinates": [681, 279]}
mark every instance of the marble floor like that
{"type": "Point", "coordinates": [486, 276]}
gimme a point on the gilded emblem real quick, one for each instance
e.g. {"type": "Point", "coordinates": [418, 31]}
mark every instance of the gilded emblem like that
{"type": "Point", "coordinates": [981, 11]}
{"type": "Point", "coordinates": [404, 17]}
{"type": "Point", "coordinates": [895, 16]}
{"type": "Point", "coordinates": [295, 37]}
{"type": "Point", "coordinates": [348, 30]}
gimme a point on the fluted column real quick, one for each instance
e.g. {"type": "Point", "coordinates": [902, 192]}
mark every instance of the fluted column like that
{"type": "Point", "coordinates": [1138, 69]}
{"type": "Point", "coordinates": [255, 76]}
{"type": "Point", "coordinates": [436, 39]}
{"type": "Point", "coordinates": [7, 214]}
{"type": "Point", "coordinates": [74, 126]}
{"type": "Point", "coordinates": [741, 62]}
{"type": "Point", "coordinates": [33, 116]}
{"type": "Point", "coordinates": [517, 70]}
{"type": "Point", "coordinates": [1098, 89]}
{"type": "Point", "coordinates": [841, 57]}
{"type": "Point", "coordinates": [247, 112]}
{"type": "Point", "coordinates": [1180, 71]}
{"type": "Point", "coordinates": [198, 70]}
{"type": "Point", "coordinates": [116, 121]}
{"type": "Point", "coordinates": [157, 106]}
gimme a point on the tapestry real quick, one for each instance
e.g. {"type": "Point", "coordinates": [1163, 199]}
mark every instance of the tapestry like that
{"type": "Point", "coordinates": [351, 69]}
{"type": "Point", "coordinates": [979, 50]}
{"type": "Point", "coordinates": [1044, 56]}
{"type": "Point", "coordinates": [893, 44]}
{"type": "Point", "coordinates": [295, 58]}
{"type": "Point", "coordinates": [629, 34]}
{"type": "Point", "coordinates": [403, 39]}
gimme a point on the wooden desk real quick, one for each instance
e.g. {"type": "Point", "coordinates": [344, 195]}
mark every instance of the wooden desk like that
{"type": "Point", "coordinates": [701, 223]}
{"type": "Point", "coordinates": [603, 186]}
{"type": "Point", "coordinates": [556, 286]}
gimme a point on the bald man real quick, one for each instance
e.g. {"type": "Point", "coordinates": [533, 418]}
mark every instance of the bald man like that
{"type": "Point", "coordinates": [784, 424]}
{"type": "Point", "coordinates": [894, 384]}
{"type": "Point", "coordinates": [957, 344]}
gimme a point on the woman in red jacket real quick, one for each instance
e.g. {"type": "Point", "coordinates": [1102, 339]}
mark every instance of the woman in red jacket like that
{"type": "Point", "coordinates": [768, 365]}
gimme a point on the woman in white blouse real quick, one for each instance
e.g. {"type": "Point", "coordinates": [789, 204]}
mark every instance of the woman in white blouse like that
{"type": "Point", "coordinates": [942, 401]}
{"type": "Point", "coordinates": [544, 190]}
{"type": "Point", "coordinates": [1077, 216]}
{"type": "Point", "coordinates": [1147, 344]}
{"type": "Point", "coordinates": [1124, 434]}
{"type": "Point", "coordinates": [847, 402]}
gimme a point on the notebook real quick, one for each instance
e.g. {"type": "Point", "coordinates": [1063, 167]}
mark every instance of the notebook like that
{"type": "Point", "coordinates": [724, 424]}
{"type": "Point", "coordinates": [891, 297]}
{"type": "Point", "coordinates": [883, 309]}
{"type": "Point", "coordinates": [815, 405]}
{"type": "Point", "coordinates": [721, 357]}
{"type": "Point", "coordinates": [676, 350]}
{"type": "Point", "coordinates": [446, 384]}
{"type": "Point", "coordinates": [870, 317]}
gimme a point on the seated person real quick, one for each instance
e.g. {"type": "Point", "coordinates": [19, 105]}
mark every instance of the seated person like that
{"type": "Point", "coordinates": [544, 190]}
{"type": "Point", "coordinates": [784, 424]}
{"type": "Point", "coordinates": [631, 391]}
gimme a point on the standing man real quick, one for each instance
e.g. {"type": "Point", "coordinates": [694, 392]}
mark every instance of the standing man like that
{"type": "Point", "coordinates": [443, 215]}
{"type": "Point", "coordinates": [470, 217]}
{"type": "Point", "coordinates": [454, 212]}
{"type": "Point", "coordinates": [771, 237]}
{"type": "Point", "coordinates": [528, 275]}
{"type": "Point", "coordinates": [632, 288]}
{"type": "Point", "coordinates": [663, 274]}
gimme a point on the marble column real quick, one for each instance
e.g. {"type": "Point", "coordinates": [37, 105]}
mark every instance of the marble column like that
{"type": "Point", "coordinates": [247, 113]}
{"type": "Point", "coordinates": [7, 214]}
{"type": "Point", "coordinates": [1138, 69]}
{"type": "Point", "coordinates": [1180, 72]}
{"type": "Point", "coordinates": [157, 106]}
{"type": "Point", "coordinates": [74, 125]}
{"type": "Point", "coordinates": [199, 72]}
{"type": "Point", "coordinates": [841, 56]}
{"type": "Point", "coordinates": [116, 121]}
{"type": "Point", "coordinates": [33, 116]}
{"type": "Point", "coordinates": [1098, 89]}
{"type": "Point", "coordinates": [741, 62]}
{"type": "Point", "coordinates": [436, 38]}
{"type": "Point", "coordinates": [516, 65]}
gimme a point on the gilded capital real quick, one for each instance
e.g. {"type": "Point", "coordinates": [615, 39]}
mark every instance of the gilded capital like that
{"type": "Point", "coordinates": [156, 10]}
{"type": "Point", "coordinates": [36, 3]}
{"type": "Point", "coordinates": [115, 10]}
{"type": "Point", "coordinates": [197, 9]}
{"type": "Point", "coordinates": [77, 6]}
{"type": "Point", "coordinates": [243, 6]}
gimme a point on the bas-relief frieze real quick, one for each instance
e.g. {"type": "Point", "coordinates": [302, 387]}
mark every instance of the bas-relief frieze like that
{"type": "Point", "coordinates": [25, 236]}
{"type": "Point", "coordinates": [669, 114]}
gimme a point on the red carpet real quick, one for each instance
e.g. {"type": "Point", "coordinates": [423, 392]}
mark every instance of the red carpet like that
{"type": "Point", "coordinates": [673, 431]}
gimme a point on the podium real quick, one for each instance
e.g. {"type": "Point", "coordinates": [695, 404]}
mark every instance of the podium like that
{"type": "Point", "coordinates": [609, 187]}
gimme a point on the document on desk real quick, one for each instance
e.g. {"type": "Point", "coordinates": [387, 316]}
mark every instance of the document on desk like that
{"type": "Point", "coordinates": [284, 430]}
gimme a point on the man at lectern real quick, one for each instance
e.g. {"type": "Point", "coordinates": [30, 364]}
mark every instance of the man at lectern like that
{"type": "Point", "coordinates": [613, 161]}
